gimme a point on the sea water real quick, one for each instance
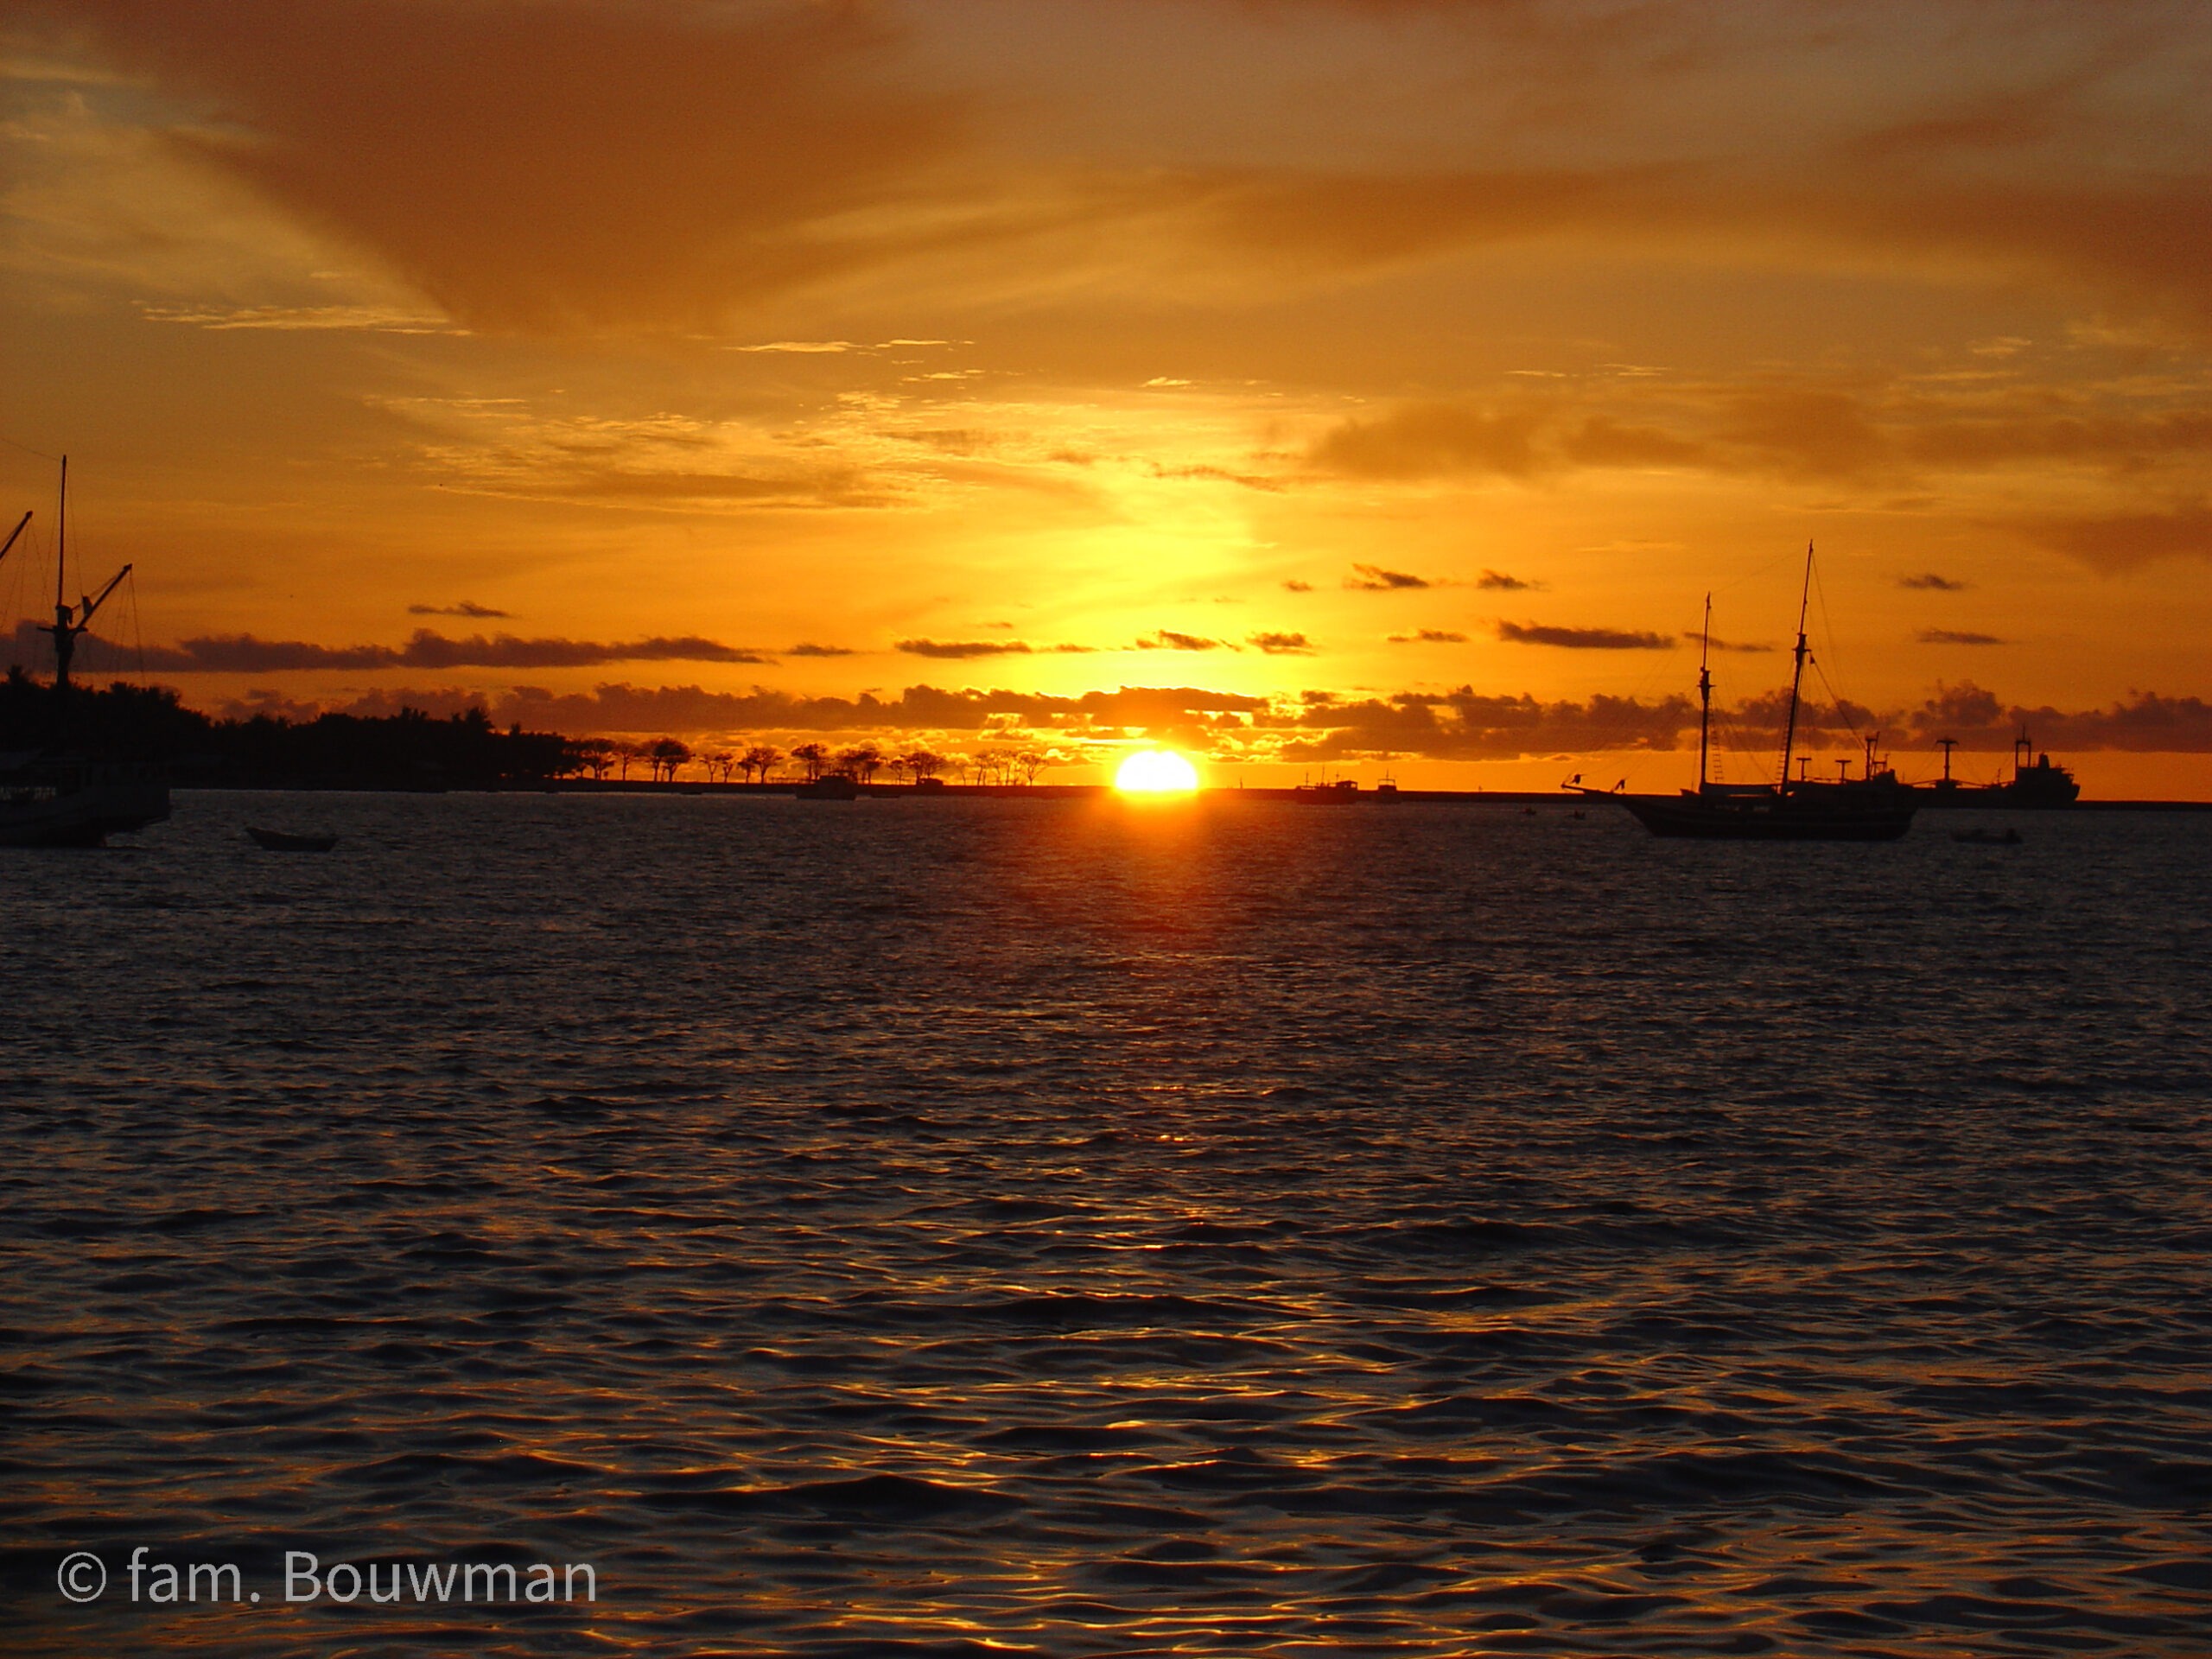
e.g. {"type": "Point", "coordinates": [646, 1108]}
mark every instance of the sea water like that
{"type": "Point", "coordinates": [1058, 1227]}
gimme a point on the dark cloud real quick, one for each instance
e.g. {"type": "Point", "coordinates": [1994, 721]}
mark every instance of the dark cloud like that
{"type": "Point", "coordinates": [1429, 637]}
{"type": "Point", "coordinates": [1583, 638]}
{"type": "Point", "coordinates": [1168, 639]}
{"type": "Point", "coordinates": [246, 653]}
{"type": "Point", "coordinates": [1747, 647]}
{"type": "Point", "coordinates": [548, 168]}
{"type": "Point", "coordinates": [819, 650]}
{"type": "Point", "coordinates": [956, 649]}
{"type": "Point", "coordinates": [1297, 587]}
{"type": "Point", "coordinates": [466, 608]}
{"type": "Point", "coordinates": [1374, 579]}
{"type": "Point", "coordinates": [1281, 645]}
{"type": "Point", "coordinates": [1930, 582]}
{"type": "Point", "coordinates": [1955, 636]}
{"type": "Point", "coordinates": [1498, 582]}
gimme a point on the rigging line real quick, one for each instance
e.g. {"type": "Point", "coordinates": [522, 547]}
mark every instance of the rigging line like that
{"type": "Point", "coordinates": [1779, 560]}
{"type": "Point", "coordinates": [1841, 714]}
{"type": "Point", "coordinates": [137, 623]}
{"type": "Point", "coordinates": [1827, 627]}
{"type": "Point", "coordinates": [27, 449]}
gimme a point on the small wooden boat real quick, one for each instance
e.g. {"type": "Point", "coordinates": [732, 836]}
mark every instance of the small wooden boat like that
{"type": "Point", "coordinates": [278, 841]}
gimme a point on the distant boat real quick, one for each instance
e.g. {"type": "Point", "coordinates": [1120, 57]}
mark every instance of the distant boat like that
{"type": "Point", "coordinates": [279, 841]}
{"type": "Point", "coordinates": [1342, 792]}
{"type": "Point", "coordinates": [1872, 807]}
{"type": "Point", "coordinates": [52, 798]}
{"type": "Point", "coordinates": [2041, 785]}
{"type": "Point", "coordinates": [834, 787]}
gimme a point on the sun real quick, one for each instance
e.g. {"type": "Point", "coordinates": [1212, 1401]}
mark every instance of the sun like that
{"type": "Point", "coordinates": [1156, 772]}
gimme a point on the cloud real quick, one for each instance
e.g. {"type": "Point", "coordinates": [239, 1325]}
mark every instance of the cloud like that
{"type": "Point", "coordinates": [1464, 725]}
{"type": "Point", "coordinates": [1429, 637]}
{"type": "Point", "coordinates": [1297, 587]}
{"type": "Point", "coordinates": [1498, 582]}
{"type": "Point", "coordinates": [1601, 441]}
{"type": "Point", "coordinates": [1930, 582]}
{"type": "Point", "coordinates": [367, 319]}
{"type": "Point", "coordinates": [1781, 424]}
{"type": "Point", "coordinates": [1583, 638]}
{"type": "Point", "coordinates": [247, 653]}
{"type": "Point", "coordinates": [819, 650]}
{"type": "Point", "coordinates": [1955, 636]}
{"type": "Point", "coordinates": [1374, 579]}
{"type": "Point", "coordinates": [1314, 725]}
{"type": "Point", "coordinates": [1281, 645]}
{"type": "Point", "coordinates": [1168, 639]}
{"type": "Point", "coordinates": [1422, 440]}
{"type": "Point", "coordinates": [2124, 540]}
{"type": "Point", "coordinates": [555, 167]}
{"type": "Point", "coordinates": [466, 608]}
{"type": "Point", "coordinates": [2147, 722]}
{"type": "Point", "coordinates": [1745, 647]}
{"type": "Point", "coordinates": [958, 649]}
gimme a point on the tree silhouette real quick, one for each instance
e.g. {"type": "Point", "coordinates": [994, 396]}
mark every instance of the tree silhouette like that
{"type": "Point", "coordinates": [861, 762]}
{"type": "Point", "coordinates": [596, 755]}
{"type": "Point", "coordinates": [813, 756]}
{"type": "Point", "coordinates": [666, 754]}
{"type": "Point", "coordinates": [921, 763]}
{"type": "Point", "coordinates": [760, 758]}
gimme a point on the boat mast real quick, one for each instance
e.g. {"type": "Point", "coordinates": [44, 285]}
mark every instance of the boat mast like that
{"type": "Point", "coordinates": [70, 620]}
{"type": "Point", "coordinates": [1704, 693]}
{"type": "Point", "coordinates": [1797, 676]}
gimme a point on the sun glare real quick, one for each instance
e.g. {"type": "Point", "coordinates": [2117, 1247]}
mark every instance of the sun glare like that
{"type": "Point", "coordinates": [1156, 772]}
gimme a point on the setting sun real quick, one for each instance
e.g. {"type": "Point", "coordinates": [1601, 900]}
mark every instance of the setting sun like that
{"type": "Point", "coordinates": [1156, 772]}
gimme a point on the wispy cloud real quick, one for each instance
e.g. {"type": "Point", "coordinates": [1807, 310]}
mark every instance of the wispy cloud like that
{"type": "Point", "coordinates": [1281, 645]}
{"type": "Point", "coordinates": [1429, 637]}
{"type": "Point", "coordinates": [1498, 582]}
{"type": "Point", "coordinates": [1932, 583]}
{"type": "Point", "coordinates": [372, 319]}
{"type": "Point", "coordinates": [466, 608]}
{"type": "Point", "coordinates": [1955, 636]}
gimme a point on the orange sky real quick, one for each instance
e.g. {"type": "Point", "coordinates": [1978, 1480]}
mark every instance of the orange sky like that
{"type": "Point", "coordinates": [1369, 382]}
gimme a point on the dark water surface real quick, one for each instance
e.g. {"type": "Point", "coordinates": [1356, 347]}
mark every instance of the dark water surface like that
{"type": "Point", "coordinates": [1000, 1227]}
